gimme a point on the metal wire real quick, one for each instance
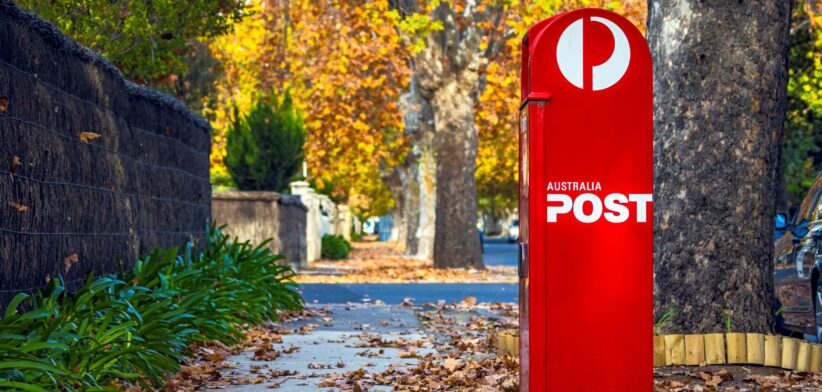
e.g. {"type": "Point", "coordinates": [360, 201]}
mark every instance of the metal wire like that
{"type": "Point", "coordinates": [101, 107]}
{"type": "Point", "coordinates": [102, 147]}
{"type": "Point", "coordinates": [112, 234]}
{"type": "Point", "coordinates": [75, 185]}
{"type": "Point", "coordinates": [162, 138]}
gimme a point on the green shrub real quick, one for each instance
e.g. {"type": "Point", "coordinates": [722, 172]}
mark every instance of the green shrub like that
{"type": "Point", "coordinates": [356, 237]}
{"type": "Point", "coordinates": [135, 327]}
{"type": "Point", "coordinates": [264, 150]}
{"type": "Point", "coordinates": [335, 247]}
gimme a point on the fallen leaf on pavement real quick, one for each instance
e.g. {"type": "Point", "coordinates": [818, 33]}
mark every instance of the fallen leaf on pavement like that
{"type": "Point", "coordinates": [452, 364]}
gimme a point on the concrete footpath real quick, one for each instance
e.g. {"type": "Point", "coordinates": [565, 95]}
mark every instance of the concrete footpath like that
{"type": "Point", "coordinates": [349, 338]}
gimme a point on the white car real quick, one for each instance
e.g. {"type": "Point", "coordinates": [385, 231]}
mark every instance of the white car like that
{"type": "Point", "coordinates": [513, 231]}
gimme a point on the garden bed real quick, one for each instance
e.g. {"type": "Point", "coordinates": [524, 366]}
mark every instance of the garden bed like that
{"type": "Point", "coordinates": [133, 329]}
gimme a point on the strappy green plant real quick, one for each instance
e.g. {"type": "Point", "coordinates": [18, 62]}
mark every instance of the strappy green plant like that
{"type": "Point", "coordinates": [135, 327]}
{"type": "Point", "coordinates": [663, 319]}
{"type": "Point", "coordinates": [726, 317]}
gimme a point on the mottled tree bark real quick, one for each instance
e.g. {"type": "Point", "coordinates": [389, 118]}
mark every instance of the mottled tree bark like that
{"type": "Point", "coordinates": [449, 70]}
{"type": "Point", "coordinates": [412, 212]}
{"type": "Point", "coordinates": [404, 179]}
{"type": "Point", "coordinates": [456, 241]}
{"type": "Point", "coordinates": [397, 180]}
{"type": "Point", "coordinates": [720, 88]}
{"type": "Point", "coordinates": [418, 172]}
{"type": "Point", "coordinates": [427, 181]}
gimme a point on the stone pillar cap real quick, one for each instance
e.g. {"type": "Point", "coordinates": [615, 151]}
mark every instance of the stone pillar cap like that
{"type": "Point", "coordinates": [300, 187]}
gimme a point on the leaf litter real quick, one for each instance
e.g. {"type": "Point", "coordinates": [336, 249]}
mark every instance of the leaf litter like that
{"type": "Point", "coordinates": [465, 358]}
{"type": "Point", "coordinates": [379, 262]}
{"type": "Point", "coordinates": [462, 334]}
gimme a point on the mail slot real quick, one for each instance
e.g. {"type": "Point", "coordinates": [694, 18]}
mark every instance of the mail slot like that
{"type": "Point", "coordinates": [586, 205]}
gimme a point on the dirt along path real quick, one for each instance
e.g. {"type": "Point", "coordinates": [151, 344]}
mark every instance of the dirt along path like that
{"type": "Point", "coordinates": [381, 262]}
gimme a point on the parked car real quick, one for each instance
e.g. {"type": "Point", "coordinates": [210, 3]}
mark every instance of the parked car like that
{"type": "Point", "coordinates": [513, 231]}
{"type": "Point", "coordinates": [797, 264]}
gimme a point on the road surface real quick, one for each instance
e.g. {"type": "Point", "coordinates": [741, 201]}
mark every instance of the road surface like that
{"type": "Point", "coordinates": [497, 252]}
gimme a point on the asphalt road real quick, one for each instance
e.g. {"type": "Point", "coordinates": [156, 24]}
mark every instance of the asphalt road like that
{"type": "Point", "coordinates": [497, 252]}
{"type": "Point", "coordinates": [396, 293]}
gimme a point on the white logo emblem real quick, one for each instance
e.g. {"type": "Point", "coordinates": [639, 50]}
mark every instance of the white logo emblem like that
{"type": "Point", "coordinates": [570, 54]}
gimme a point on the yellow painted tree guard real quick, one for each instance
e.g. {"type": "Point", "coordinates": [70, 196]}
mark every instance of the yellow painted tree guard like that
{"type": "Point", "coordinates": [717, 349]}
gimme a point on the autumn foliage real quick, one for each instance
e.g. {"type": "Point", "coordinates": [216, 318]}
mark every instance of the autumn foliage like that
{"type": "Point", "coordinates": [342, 61]}
{"type": "Point", "coordinates": [347, 64]}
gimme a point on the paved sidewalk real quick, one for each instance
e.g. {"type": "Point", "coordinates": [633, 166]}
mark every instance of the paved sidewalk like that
{"type": "Point", "coordinates": [350, 338]}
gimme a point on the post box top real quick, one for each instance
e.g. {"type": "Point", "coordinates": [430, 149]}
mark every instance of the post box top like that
{"type": "Point", "coordinates": [586, 50]}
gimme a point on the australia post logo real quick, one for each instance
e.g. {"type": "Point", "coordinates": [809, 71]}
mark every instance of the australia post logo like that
{"type": "Point", "coordinates": [577, 53]}
{"type": "Point", "coordinates": [591, 205]}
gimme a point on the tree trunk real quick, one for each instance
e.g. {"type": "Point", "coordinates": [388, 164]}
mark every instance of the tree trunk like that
{"type": "Point", "coordinates": [412, 212]}
{"type": "Point", "coordinates": [397, 180]}
{"type": "Point", "coordinates": [720, 83]}
{"type": "Point", "coordinates": [449, 71]}
{"type": "Point", "coordinates": [405, 178]}
{"type": "Point", "coordinates": [421, 191]}
{"type": "Point", "coordinates": [400, 221]}
{"type": "Point", "coordinates": [427, 180]}
{"type": "Point", "coordinates": [456, 241]}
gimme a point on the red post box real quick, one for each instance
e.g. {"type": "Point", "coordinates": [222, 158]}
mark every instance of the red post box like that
{"type": "Point", "coordinates": [586, 184]}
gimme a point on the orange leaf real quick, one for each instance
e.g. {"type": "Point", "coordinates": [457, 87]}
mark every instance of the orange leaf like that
{"type": "Point", "coordinates": [19, 207]}
{"type": "Point", "coordinates": [71, 260]}
{"type": "Point", "coordinates": [15, 161]}
{"type": "Point", "coordinates": [87, 136]}
{"type": "Point", "coordinates": [452, 364]}
{"type": "Point", "coordinates": [4, 104]}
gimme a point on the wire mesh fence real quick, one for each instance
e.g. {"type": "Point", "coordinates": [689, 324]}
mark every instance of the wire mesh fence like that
{"type": "Point", "coordinates": [72, 202]}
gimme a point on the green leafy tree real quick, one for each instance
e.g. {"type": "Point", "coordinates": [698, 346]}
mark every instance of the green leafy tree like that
{"type": "Point", "coordinates": [265, 147]}
{"type": "Point", "coordinates": [802, 140]}
{"type": "Point", "coordinates": [147, 40]}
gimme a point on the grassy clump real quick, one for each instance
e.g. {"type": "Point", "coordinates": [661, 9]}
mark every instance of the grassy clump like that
{"type": "Point", "coordinates": [135, 327]}
{"type": "Point", "coordinates": [335, 247]}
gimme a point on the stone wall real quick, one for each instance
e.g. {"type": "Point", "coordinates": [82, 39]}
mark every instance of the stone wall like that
{"type": "Point", "coordinates": [293, 244]}
{"type": "Point", "coordinates": [260, 216]}
{"type": "Point", "coordinates": [70, 205]}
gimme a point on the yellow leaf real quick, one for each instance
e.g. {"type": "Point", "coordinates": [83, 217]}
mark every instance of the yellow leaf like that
{"type": "Point", "coordinates": [87, 136]}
